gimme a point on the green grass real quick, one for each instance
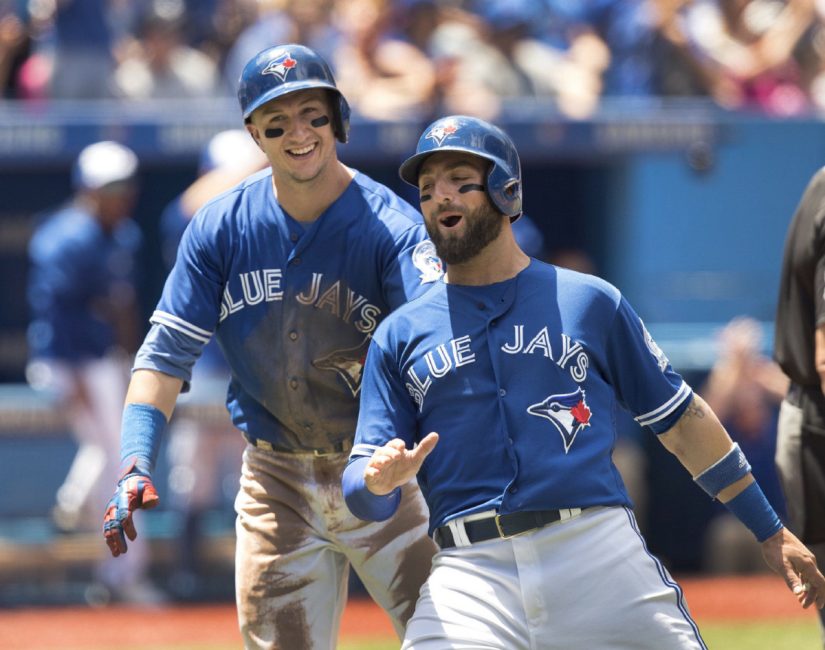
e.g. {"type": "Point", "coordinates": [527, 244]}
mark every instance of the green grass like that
{"type": "Point", "coordinates": [793, 635]}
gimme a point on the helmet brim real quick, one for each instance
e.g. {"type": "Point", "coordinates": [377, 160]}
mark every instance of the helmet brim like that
{"type": "Point", "coordinates": [286, 89]}
{"type": "Point", "coordinates": [411, 167]}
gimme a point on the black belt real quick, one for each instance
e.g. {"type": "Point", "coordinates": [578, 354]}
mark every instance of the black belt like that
{"type": "Point", "coordinates": [498, 526]}
{"type": "Point", "coordinates": [341, 447]}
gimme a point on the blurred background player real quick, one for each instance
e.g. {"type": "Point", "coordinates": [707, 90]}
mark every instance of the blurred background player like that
{"type": "Point", "coordinates": [204, 450]}
{"type": "Point", "coordinates": [82, 333]}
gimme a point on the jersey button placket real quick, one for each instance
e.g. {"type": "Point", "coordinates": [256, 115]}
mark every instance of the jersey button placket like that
{"type": "Point", "coordinates": [293, 383]}
{"type": "Point", "coordinates": [293, 335]}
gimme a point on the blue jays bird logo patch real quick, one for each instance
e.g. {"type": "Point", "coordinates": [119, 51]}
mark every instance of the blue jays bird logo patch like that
{"type": "Point", "coordinates": [280, 66]}
{"type": "Point", "coordinates": [440, 132]}
{"type": "Point", "coordinates": [569, 413]}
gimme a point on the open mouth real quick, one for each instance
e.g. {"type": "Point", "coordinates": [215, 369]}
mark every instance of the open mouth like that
{"type": "Point", "coordinates": [450, 220]}
{"type": "Point", "coordinates": [302, 152]}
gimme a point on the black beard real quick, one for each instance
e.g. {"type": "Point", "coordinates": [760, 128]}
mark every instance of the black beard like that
{"type": "Point", "coordinates": [483, 226]}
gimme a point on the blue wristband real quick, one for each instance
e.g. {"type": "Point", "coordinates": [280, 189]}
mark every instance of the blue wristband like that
{"type": "Point", "coordinates": [724, 472]}
{"type": "Point", "coordinates": [141, 431]}
{"type": "Point", "coordinates": [363, 503]}
{"type": "Point", "coordinates": [752, 508]}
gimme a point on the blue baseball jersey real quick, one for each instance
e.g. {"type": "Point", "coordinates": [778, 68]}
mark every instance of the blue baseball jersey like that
{"type": "Point", "coordinates": [79, 272]}
{"type": "Point", "coordinates": [522, 381]}
{"type": "Point", "coordinates": [293, 306]}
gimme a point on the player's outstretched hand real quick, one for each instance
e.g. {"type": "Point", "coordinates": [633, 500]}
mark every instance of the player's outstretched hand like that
{"type": "Point", "coordinates": [792, 560]}
{"type": "Point", "coordinates": [134, 490]}
{"type": "Point", "coordinates": [393, 464]}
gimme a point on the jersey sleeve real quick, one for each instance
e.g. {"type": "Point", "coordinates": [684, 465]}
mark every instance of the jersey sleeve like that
{"type": "Point", "coordinates": [191, 299]}
{"type": "Point", "coordinates": [412, 268]}
{"type": "Point", "coordinates": [386, 410]}
{"type": "Point", "coordinates": [644, 381]}
{"type": "Point", "coordinates": [170, 352]}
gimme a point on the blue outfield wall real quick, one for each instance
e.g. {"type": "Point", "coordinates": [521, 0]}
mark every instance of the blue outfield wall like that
{"type": "Point", "coordinates": [691, 246]}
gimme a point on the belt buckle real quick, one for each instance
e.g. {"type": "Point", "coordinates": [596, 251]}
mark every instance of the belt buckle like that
{"type": "Point", "coordinates": [501, 534]}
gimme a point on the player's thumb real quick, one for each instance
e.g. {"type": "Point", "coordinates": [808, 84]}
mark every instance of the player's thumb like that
{"type": "Point", "coordinates": [149, 496]}
{"type": "Point", "coordinates": [423, 448]}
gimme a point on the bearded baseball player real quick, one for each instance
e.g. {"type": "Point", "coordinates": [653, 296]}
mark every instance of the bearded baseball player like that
{"type": "Point", "coordinates": [498, 389]}
{"type": "Point", "coordinates": [291, 270]}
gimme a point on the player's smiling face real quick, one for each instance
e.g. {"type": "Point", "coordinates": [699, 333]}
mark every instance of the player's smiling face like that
{"type": "Point", "coordinates": [295, 132]}
{"type": "Point", "coordinates": [459, 217]}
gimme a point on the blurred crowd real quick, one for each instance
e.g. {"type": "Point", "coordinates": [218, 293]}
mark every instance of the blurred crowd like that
{"type": "Point", "coordinates": [421, 58]}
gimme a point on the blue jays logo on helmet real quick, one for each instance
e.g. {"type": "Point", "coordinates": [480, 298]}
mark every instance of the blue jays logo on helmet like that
{"type": "Point", "coordinates": [568, 412]}
{"type": "Point", "coordinates": [441, 131]}
{"type": "Point", "coordinates": [280, 66]}
{"type": "Point", "coordinates": [283, 69]}
{"type": "Point", "coordinates": [478, 138]}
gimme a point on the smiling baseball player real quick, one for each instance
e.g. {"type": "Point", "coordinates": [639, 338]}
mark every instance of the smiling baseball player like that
{"type": "Point", "coordinates": [499, 389]}
{"type": "Point", "coordinates": [291, 270]}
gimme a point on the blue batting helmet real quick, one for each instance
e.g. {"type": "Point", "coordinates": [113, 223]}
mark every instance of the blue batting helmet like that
{"type": "Point", "coordinates": [285, 69]}
{"type": "Point", "coordinates": [479, 138]}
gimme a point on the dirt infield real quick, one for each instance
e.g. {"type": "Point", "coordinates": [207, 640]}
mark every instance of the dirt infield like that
{"type": "Point", "coordinates": [752, 598]}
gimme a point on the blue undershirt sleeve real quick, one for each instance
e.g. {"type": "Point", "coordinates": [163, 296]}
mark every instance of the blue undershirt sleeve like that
{"type": "Point", "coordinates": [363, 503]}
{"type": "Point", "coordinates": [170, 352]}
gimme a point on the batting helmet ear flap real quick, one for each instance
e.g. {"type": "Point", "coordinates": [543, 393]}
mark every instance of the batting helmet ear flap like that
{"type": "Point", "coordinates": [512, 190]}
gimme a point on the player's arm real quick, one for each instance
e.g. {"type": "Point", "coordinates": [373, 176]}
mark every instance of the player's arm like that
{"type": "Point", "coordinates": [372, 484]}
{"type": "Point", "coordinates": [819, 308]}
{"type": "Point", "coordinates": [150, 401]}
{"type": "Point", "coordinates": [819, 355]}
{"type": "Point", "coordinates": [384, 456]}
{"type": "Point", "coordinates": [702, 445]}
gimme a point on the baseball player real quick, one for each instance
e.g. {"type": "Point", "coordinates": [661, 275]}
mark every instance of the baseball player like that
{"type": "Point", "coordinates": [83, 329]}
{"type": "Point", "coordinates": [498, 388]}
{"type": "Point", "coordinates": [291, 270]}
